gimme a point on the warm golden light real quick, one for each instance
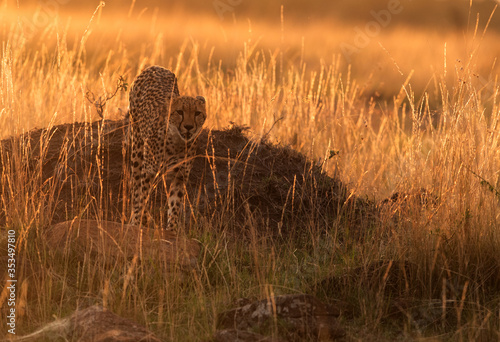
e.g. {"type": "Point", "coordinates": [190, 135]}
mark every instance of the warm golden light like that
{"type": "Point", "coordinates": [393, 97]}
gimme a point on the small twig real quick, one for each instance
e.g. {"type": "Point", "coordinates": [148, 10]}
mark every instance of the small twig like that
{"type": "Point", "coordinates": [100, 102]}
{"type": "Point", "coordinates": [484, 182]}
{"type": "Point", "coordinates": [264, 137]}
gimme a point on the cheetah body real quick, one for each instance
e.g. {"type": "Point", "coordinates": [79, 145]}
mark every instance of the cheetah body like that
{"type": "Point", "coordinates": [163, 131]}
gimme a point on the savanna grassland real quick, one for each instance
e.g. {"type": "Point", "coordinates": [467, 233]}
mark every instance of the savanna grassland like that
{"type": "Point", "coordinates": [402, 108]}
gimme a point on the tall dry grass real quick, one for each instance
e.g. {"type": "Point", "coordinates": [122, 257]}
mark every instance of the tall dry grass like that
{"type": "Point", "coordinates": [437, 249]}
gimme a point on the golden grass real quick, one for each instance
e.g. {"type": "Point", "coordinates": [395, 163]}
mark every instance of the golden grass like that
{"type": "Point", "coordinates": [414, 110]}
{"type": "Point", "coordinates": [57, 64]}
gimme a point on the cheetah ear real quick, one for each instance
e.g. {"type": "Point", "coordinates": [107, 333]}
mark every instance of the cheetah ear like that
{"type": "Point", "coordinates": [201, 98]}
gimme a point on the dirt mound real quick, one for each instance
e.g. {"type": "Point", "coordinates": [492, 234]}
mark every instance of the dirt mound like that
{"type": "Point", "coordinates": [80, 170]}
{"type": "Point", "coordinates": [93, 324]}
{"type": "Point", "coordinates": [301, 318]}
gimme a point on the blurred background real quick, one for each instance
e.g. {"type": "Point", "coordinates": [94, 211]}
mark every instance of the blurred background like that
{"type": "Point", "coordinates": [380, 43]}
{"type": "Point", "coordinates": [371, 87]}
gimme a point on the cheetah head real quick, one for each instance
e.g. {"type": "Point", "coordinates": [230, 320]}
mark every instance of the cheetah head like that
{"type": "Point", "coordinates": [187, 115]}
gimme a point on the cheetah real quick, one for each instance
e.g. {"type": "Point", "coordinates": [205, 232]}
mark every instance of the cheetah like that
{"type": "Point", "coordinates": [163, 131]}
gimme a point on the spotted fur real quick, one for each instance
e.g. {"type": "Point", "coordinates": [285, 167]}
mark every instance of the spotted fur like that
{"type": "Point", "coordinates": [163, 131]}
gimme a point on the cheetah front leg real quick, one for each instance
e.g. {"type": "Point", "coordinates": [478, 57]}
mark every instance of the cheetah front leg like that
{"type": "Point", "coordinates": [137, 146]}
{"type": "Point", "coordinates": [141, 182]}
{"type": "Point", "coordinates": [176, 193]}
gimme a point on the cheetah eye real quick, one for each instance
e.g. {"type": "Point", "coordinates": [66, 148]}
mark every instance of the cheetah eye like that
{"type": "Point", "coordinates": [197, 113]}
{"type": "Point", "coordinates": [180, 112]}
